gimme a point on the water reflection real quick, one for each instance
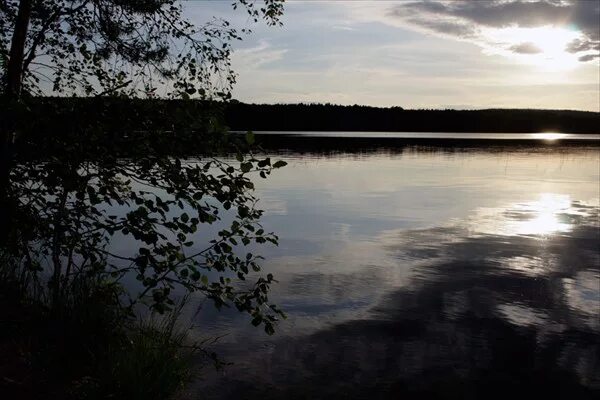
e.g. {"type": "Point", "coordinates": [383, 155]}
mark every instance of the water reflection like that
{"type": "Point", "coordinates": [552, 213]}
{"type": "Point", "coordinates": [427, 274]}
{"type": "Point", "coordinates": [549, 136]}
{"type": "Point", "coordinates": [545, 219]}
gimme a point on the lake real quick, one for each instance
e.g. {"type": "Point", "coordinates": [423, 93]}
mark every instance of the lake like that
{"type": "Point", "coordinates": [431, 268]}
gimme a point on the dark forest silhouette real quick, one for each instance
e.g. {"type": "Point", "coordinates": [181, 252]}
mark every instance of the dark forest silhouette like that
{"type": "Point", "coordinates": [331, 117]}
{"type": "Point", "coordinates": [124, 114]}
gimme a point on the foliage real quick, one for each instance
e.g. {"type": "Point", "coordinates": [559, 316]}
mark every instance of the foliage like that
{"type": "Point", "coordinates": [97, 47]}
{"type": "Point", "coordinates": [74, 195]}
{"type": "Point", "coordinates": [108, 202]}
{"type": "Point", "coordinates": [70, 208]}
{"type": "Point", "coordinates": [77, 191]}
{"type": "Point", "coordinates": [75, 187]}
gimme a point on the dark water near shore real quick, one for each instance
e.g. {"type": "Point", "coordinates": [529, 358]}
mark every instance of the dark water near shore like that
{"type": "Point", "coordinates": [460, 269]}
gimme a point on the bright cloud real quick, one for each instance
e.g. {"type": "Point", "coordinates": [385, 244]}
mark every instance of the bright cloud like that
{"type": "Point", "coordinates": [421, 54]}
{"type": "Point", "coordinates": [548, 30]}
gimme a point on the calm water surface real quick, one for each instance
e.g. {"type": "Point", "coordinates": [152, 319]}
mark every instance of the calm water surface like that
{"type": "Point", "coordinates": [423, 271]}
{"type": "Point", "coordinates": [547, 136]}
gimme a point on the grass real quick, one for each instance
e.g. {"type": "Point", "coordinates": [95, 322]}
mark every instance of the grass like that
{"type": "Point", "coordinates": [157, 360]}
{"type": "Point", "coordinates": [89, 349]}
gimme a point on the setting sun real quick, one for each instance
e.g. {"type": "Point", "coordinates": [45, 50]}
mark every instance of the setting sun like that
{"type": "Point", "coordinates": [544, 46]}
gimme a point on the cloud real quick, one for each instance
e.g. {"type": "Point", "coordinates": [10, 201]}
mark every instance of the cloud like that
{"type": "Point", "coordinates": [525, 48]}
{"type": "Point", "coordinates": [258, 56]}
{"type": "Point", "coordinates": [498, 14]}
{"type": "Point", "coordinates": [589, 57]}
{"type": "Point", "coordinates": [469, 20]}
{"type": "Point", "coordinates": [583, 45]}
{"type": "Point", "coordinates": [341, 28]}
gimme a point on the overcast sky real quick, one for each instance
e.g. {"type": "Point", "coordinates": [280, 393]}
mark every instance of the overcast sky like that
{"type": "Point", "coordinates": [421, 54]}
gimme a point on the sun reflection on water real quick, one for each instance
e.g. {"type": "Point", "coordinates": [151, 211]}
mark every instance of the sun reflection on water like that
{"type": "Point", "coordinates": [542, 217]}
{"type": "Point", "coordinates": [548, 136]}
{"type": "Point", "coordinates": [546, 211]}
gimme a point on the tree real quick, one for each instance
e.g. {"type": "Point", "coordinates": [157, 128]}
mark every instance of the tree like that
{"type": "Point", "coordinates": [66, 186]}
{"type": "Point", "coordinates": [135, 159]}
{"type": "Point", "coordinates": [99, 47]}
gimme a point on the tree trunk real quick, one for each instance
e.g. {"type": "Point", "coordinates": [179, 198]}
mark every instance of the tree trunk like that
{"type": "Point", "coordinates": [14, 70]}
{"type": "Point", "coordinates": [14, 81]}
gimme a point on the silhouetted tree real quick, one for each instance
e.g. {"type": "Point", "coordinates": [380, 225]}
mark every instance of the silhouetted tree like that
{"type": "Point", "coordinates": [127, 48]}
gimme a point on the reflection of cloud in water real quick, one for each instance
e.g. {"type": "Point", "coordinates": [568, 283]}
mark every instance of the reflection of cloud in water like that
{"type": "Point", "coordinates": [486, 307]}
{"type": "Point", "coordinates": [522, 315]}
{"type": "Point", "coordinates": [583, 295]}
{"type": "Point", "coordinates": [532, 266]}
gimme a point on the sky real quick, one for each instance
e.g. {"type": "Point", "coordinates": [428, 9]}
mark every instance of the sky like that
{"type": "Point", "coordinates": [420, 54]}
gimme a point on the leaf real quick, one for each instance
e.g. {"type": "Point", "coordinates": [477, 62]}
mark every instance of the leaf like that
{"type": "Point", "coordinates": [246, 167]}
{"type": "Point", "coordinates": [265, 162]}
{"type": "Point", "coordinates": [243, 211]}
{"type": "Point", "coordinates": [279, 164]}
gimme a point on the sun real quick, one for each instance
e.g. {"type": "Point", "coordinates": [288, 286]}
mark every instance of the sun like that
{"type": "Point", "coordinates": [544, 47]}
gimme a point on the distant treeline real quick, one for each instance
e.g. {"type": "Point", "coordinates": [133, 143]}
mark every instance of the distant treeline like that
{"type": "Point", "coordinates": [330, 117]}
{"type": "Point", "coordinates": [118, 115]}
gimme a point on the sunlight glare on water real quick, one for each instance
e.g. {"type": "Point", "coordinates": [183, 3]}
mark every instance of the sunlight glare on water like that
{"type": "Point", "coordinates": [546, 211]}
{"type": "Point", "coordinates": [548, 136]}
{"type": "Point", "coordinates": [542, 217]}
